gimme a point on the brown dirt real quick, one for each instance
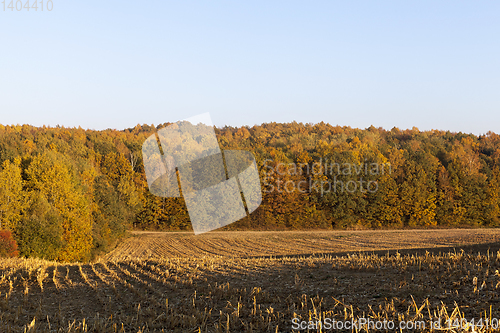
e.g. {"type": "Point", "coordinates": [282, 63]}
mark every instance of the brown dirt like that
{"type": "Point", "coordinates": [248, 244]}
{"type": "Point", "coordinates": [258, 282]}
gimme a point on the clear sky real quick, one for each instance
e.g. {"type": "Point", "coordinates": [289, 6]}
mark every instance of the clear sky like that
{"type": "Point", "coordinates": [113, 64]}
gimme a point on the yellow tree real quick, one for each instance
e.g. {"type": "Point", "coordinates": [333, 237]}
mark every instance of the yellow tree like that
{"type": "Point", "coordinates": [50, 176]}
{"type": "Point", "coordinates": [11, 194]}
{"type": "Point", "coordinates": [387, 205]}
{"type": "Point", "coordinates": [418, 198]}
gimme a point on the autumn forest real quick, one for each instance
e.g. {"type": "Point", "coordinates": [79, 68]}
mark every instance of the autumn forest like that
{"type": "Point", "coordinates": [69, 194]}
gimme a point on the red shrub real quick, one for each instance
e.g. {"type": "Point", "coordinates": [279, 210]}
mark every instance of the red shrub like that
{"type": "Point", "coordinates": [8, 246]}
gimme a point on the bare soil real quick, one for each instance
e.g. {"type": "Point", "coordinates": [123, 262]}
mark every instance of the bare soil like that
{"type": "Point", "coordinates": [260, 282]}
{"type": "Point", "coordinates": [249, 244]}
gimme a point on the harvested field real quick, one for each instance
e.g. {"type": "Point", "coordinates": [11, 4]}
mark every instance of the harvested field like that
{"type": "Point", "coordinates": [249, 244]}
{"type": "Point", "coordinates": [260, 282]}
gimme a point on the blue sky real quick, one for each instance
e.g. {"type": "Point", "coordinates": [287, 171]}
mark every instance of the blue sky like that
{"type": "Point", "coordinates": [113, 64]}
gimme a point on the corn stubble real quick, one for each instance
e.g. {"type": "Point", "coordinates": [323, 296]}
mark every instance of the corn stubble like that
{"type": "Point", "coordinates": [213, 293]}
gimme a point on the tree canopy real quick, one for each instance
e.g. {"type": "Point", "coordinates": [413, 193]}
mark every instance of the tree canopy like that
{"type": "Point", "coordinates": [69, 193]}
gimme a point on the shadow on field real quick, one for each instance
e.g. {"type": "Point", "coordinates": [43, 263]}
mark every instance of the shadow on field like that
{"type": "Point", "coordinates": [214, 294]}
{"type": "Point", "coordinates": [474, 248]}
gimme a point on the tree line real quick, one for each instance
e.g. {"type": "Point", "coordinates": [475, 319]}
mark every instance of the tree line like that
{"type": "Point", "coordinates": [68, 193]}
